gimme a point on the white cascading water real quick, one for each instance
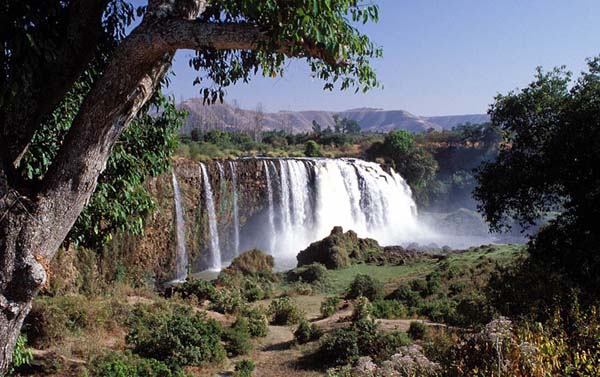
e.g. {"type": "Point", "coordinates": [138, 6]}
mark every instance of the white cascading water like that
{"type": "Point", "coordinates": [351, 193]}
{"type": "Point", "coordinates": [236, 218]}
{"type": "Point", "coordinates": [181, 258]}
{"type": "Point", "coordinates": [215, 250]}
{"type": "Point", "coordinates": [271, 209]}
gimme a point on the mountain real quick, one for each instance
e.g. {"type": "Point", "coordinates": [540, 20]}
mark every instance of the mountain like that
{"type": "Point", "coordinates": [226, 116]}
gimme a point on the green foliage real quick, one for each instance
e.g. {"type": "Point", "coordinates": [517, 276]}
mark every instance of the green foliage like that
{"type": "Point", "coordinates": [228, 301]}
{"type": "Point", "coordinates": [125, 364]}
{"type": "Point", "coordinates": [176, 335]}
{"type": "Point", "coordinates": [362, 309]}
{"type": "Point", "coordinates": [307, 332]}
{"type": "Point", "coordinates": [366, 286]}
{"type": "Point", "coordinates": [257, 321]}
{"type": "Point", "coordinates": [200, 289]}
{"type": "Point", "coordinates": [389, 309]}
{"type": "Point", "coordinates": [312, 149]}
{"type": "Point", "coordinates": [414, 163]}
{"type": "Point", "coordinates": [244, 368]}
{"type": "Point", "coordinates": [314, 274]}
{"type": "Point", "coordinates": [21, 354]}
{"type": "Point", "coordinates": [237, 338]}
{"type": "Point", "coordinates": [417, 330]}
{"type": "Point", "coordinates": [530, 179]}
{"type": "Point", "coordinates": [329, 306]}
{"type": "Point", "coordinates": [284, 312]}
{"type": "Point", "coordinates": [363, 338]}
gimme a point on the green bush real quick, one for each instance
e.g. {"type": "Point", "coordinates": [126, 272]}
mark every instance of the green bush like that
{"type": "Point", "coordinates": [200, 289]}
{"type": "Point", "coordinates": [227, 302]}
{"type": "Point", "coordinates": [284, 312]}
{"type": "Point", "coordinates": [362, 309]}
{"type": "Point", "coordinates": [312, 149]}
{"type": "Point", "coordinates": [257, 322]}
{"type": "Point", "coordinates": [114, 364]}
{"type": "Point", "coordinates": [237, 338]}
{"type": "Point", "coordinates": [407, 296]}
{"type": "Point", "coordinates": [244, 368]}
{"type": "Point", "coordinates": [252, 262]}
{"type": "Point", "coordinates": [307, 332]}
{"type": "Point", "coordinates": [363, 338]}
{"type": "Point", "coordinates": [314, 273]}
{"type": "Point", "coordinates": [175, 335]}
{"type": "Point", "coordinates": [366, 286]}
{"type": "Point", "coordinates": [417, 330]}
{"type": "Point", "coordinates": [389, 309]}
{"type": "Point", "coordinates": [329, 306]}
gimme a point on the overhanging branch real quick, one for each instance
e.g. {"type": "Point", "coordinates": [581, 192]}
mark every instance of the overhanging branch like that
{"type": "Point", "coordinates": [171, 35]}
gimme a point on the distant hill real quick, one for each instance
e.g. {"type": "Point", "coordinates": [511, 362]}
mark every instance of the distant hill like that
{"type": "Point", "coordinates": [226, 116]}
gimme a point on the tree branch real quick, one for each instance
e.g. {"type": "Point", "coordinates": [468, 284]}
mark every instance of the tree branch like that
{"type": "Point", "coordinates": [171, 35]}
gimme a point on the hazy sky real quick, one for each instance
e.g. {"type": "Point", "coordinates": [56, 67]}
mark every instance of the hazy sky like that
{"type": "Point", "coordinates": [440, 56]}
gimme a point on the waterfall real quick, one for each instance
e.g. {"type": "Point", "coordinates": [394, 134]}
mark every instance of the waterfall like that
{"type": "Point", "coordinates": [271, 209]}
{"type": "Point", "coordinates": [236, 218]}
{"type": "Point", "coordinates": [304, 199]}
{"type": "Point", "coordinates": [215, 251]}
{"type": "Point", "coordinates": [182, 258]}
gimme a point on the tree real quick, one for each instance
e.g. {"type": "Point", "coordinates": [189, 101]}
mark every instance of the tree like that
{"type": "Point", "coordinates": [350, 126]}
{"type": "Point", "coordinates": [312, 149]}
{"type": "Point", "coordinates": [548, 163]}
{"type": "Point", "coordinates": [48, 46]}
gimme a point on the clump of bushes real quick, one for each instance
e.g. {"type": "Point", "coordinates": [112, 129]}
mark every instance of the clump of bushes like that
{"type": "Point", "coordinates": [366, 286]}
{"type": "Point", "coordinates": [314, 274]}
{"type": "Point", "coordinates": [237, 338]}
{"type": "Point", "coordinates": [389, 309]}
{"type": "Point", "coordinates": [200, 289]}
{"type": "Point", "coordinates": [227, 301]}
{"type": "Point", "coordinates": [284, 312]}
{"type": "Point", "coordinates": [417, 330]}
{"type": "Point", "coordinates": [115, 364]}
{"type": "Point", "coordinates": [362, 309]}
{"type": "Point", "coordinates": [244, 368]}
{"type": "Point", "coordinates": [307, 332]}
{"type": "Point", "coordinates": [363, 338]}
{"type": "Point", "coordinates": [329, 306]}
{"type": "Point", "coordinates": [175, 335]}
{"type": "Point", "coordinates": [257, 322]}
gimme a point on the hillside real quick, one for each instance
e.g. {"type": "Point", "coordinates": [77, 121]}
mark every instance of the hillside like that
{"type": "Point", "coordinates": [225, 116]}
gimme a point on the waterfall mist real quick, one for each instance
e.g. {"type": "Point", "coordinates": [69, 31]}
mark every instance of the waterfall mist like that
{"type": "Point", "coordinates": [215, 248]}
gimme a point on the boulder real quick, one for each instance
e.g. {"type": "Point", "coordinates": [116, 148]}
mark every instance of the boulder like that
{"type": "Point", "coordinates": [252, 262]}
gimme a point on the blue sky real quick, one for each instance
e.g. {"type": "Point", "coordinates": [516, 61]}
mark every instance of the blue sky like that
{"type": "Point", "coordinates": [440, 56]}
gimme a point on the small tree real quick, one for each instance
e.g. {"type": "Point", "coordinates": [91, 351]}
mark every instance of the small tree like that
{"type": "Point", "coordinates": [312, 149]}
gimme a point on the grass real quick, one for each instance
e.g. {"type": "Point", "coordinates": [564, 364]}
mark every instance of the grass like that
{"type": "Point", "coordinates": [391, 276]}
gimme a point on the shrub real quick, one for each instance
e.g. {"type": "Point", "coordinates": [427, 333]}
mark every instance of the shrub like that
{"type": "Point", "coordinates": [244, 368]}
{"type": "Point", "coordinates": [417, 330]}
{"type": "Point", "coordinates": [252, 291]}
{"type": "Point", "coordinates": [307, 332]}
{"type": "Point", "coordinates": [389, 309]}
{"type": "Point", "coordinates": [252, 262]}
{"type": "Point", "coordinates": [366, 286]}
{"type": "Point", "coordinates": [200, 289]}
{"type": "Point", "coordinates": [363, 338]}
{"type": "Point", "coordinates": [175, 335]}
{"type": "Point", "coordinates": [227, 302]}
{"type": "Point", "coordinates": [407, 296]}
{"type": "Point", "coordinates": [284, 312]}
{"type": "Point", "coordinates": [257, 322]}
{"type": "Point", "coordinates": [362, 309]}
{"type": "Point", "coordinates": [314, 273]}
{"type": "Point", "coordinates": [125, 364]}
{"type": "Point", "coordinates": [237, 338]}
{"type": "Point", "coordinates": [329, 306]}
{"type": "Point", "coordinates": [312, 149]}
